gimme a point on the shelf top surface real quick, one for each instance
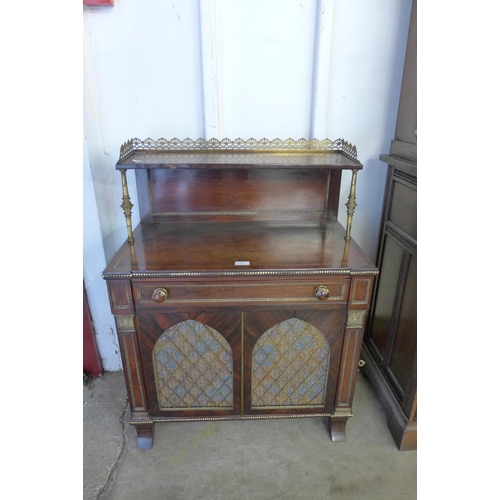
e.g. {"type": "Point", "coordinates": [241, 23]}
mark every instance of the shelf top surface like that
{"type": "Point", "coordinates": [239, 248]}
{"type": "Point", "coordinates": [226, 153]}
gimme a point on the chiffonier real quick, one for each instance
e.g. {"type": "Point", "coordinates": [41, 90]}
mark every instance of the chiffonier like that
{"type": "Point", "coordinates": [239, 295]}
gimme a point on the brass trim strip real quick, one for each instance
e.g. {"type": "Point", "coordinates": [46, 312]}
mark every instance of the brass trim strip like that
{"type": "Point", "coordinates": [117, 276]}
{"type": "Point", "coordinates": [231, 417]}
{"type": "Point", "coordinates": [252, 299]}
{"type": "Point", "coordinates": [181, 274]}
{"type": "Point", "coordinates": [283, 407]}
{"type": "Point", "coordinates": [342, 413]}
{"type": "Point", "coordinates": [248, 285]}
{"type": "Point", "coordinates": [140, 274]}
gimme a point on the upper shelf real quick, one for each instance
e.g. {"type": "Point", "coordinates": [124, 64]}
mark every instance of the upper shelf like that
{"type": "Point", "coordinates": [227, 153]}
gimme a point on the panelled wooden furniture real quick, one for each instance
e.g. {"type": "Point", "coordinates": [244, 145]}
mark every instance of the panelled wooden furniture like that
{"type": "Point", "coordinates": [239, 295]}
{"type": "Point", "coordinates": [390, 344]}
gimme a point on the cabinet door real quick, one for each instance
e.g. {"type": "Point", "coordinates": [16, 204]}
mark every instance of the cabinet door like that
{"type": "Point", "coordinates": [392, 339]}
{"type": "Point", "coordinates": [291, 360]}
{"type": "Point", "coordinates": [191, 362]}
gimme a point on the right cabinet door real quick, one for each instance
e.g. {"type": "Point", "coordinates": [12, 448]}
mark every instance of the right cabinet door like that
{"type": "Point", "coordinates": [291, 360]}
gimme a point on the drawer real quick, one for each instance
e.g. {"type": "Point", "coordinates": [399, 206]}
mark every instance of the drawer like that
{"type": "Point", "coordinates": [184, 293]}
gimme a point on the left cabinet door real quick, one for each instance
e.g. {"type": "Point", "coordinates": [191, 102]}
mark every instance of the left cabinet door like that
{"type": "Point", "coordinates": [191, 362]}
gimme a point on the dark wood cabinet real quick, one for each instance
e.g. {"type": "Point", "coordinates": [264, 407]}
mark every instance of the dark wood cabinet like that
{"type": "Point", "coordinates": [390, 343]}
{"type": "Point", "coordinates": [239, 295]}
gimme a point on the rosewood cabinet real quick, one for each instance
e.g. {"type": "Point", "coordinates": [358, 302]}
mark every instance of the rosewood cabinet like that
{"type": "Point", "coordinates": [239, 295]}
{"type": "Point", "coordinates": [390, 344]}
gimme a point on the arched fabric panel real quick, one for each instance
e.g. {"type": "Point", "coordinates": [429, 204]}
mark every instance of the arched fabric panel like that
{"type": "Point", "coordinates": [193, 368]}
{"type": "Point", "coordinates": [290, 366]}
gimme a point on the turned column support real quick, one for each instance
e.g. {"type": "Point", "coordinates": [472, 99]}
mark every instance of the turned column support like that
{"type": "Point", "coordinates": [351, 204]}
{"type": "Point", "coordinates": [127, 206]}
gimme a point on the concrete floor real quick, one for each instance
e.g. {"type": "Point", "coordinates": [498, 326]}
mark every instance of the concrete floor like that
{"type": "Point", "coordinates": [292, 459]}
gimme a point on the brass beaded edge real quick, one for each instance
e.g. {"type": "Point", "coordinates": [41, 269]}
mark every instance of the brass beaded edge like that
{"type": "Point", "coordinates": [236, 417]}
{"type": "Point", "coordinates": [342, 413]}
{"type": "Point", "coordinates": [176, 274]}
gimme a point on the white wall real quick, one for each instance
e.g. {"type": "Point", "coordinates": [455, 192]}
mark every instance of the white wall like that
{"type": "Point", "coordinates": [94, 263]}
{"type": "Point", "coordinates": [222, 68]}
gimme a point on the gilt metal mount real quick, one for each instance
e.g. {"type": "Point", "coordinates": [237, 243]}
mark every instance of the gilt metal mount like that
{"type": "Point", "coordinates": [238, 145]}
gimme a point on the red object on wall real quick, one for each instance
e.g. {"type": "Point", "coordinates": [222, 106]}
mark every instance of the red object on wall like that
{"type": "Point", "coordinates": [92, 365]}
{"type": "Point", "coordinates": [96, 3]}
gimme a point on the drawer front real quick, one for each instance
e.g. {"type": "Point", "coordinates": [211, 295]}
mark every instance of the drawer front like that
{"type": "Point", "coordinates": [186, 293]}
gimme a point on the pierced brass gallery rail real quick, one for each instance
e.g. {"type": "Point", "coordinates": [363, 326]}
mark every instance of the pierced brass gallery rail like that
{"type": "Point", "coordinates": [238, 145]}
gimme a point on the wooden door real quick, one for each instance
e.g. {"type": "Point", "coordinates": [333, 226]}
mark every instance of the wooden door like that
{"type": "Point", "coordinates": [393, 336]}
{"type": "Point", "coordinates": [291, 360]}
{"type": "Point", "coordinates": [192, 363]}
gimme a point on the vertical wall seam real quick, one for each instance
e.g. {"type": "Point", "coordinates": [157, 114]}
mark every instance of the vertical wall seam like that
{"type": "Point", "coordinates": [321, 68]}
{"type": "Point", "coordinates": [210, 80]}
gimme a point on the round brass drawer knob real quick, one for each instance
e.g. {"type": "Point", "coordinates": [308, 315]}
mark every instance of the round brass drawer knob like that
{"type": "Point", "coordinates": [159, 295]}
{"type": "Point", "coordinates": [322, 292]}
